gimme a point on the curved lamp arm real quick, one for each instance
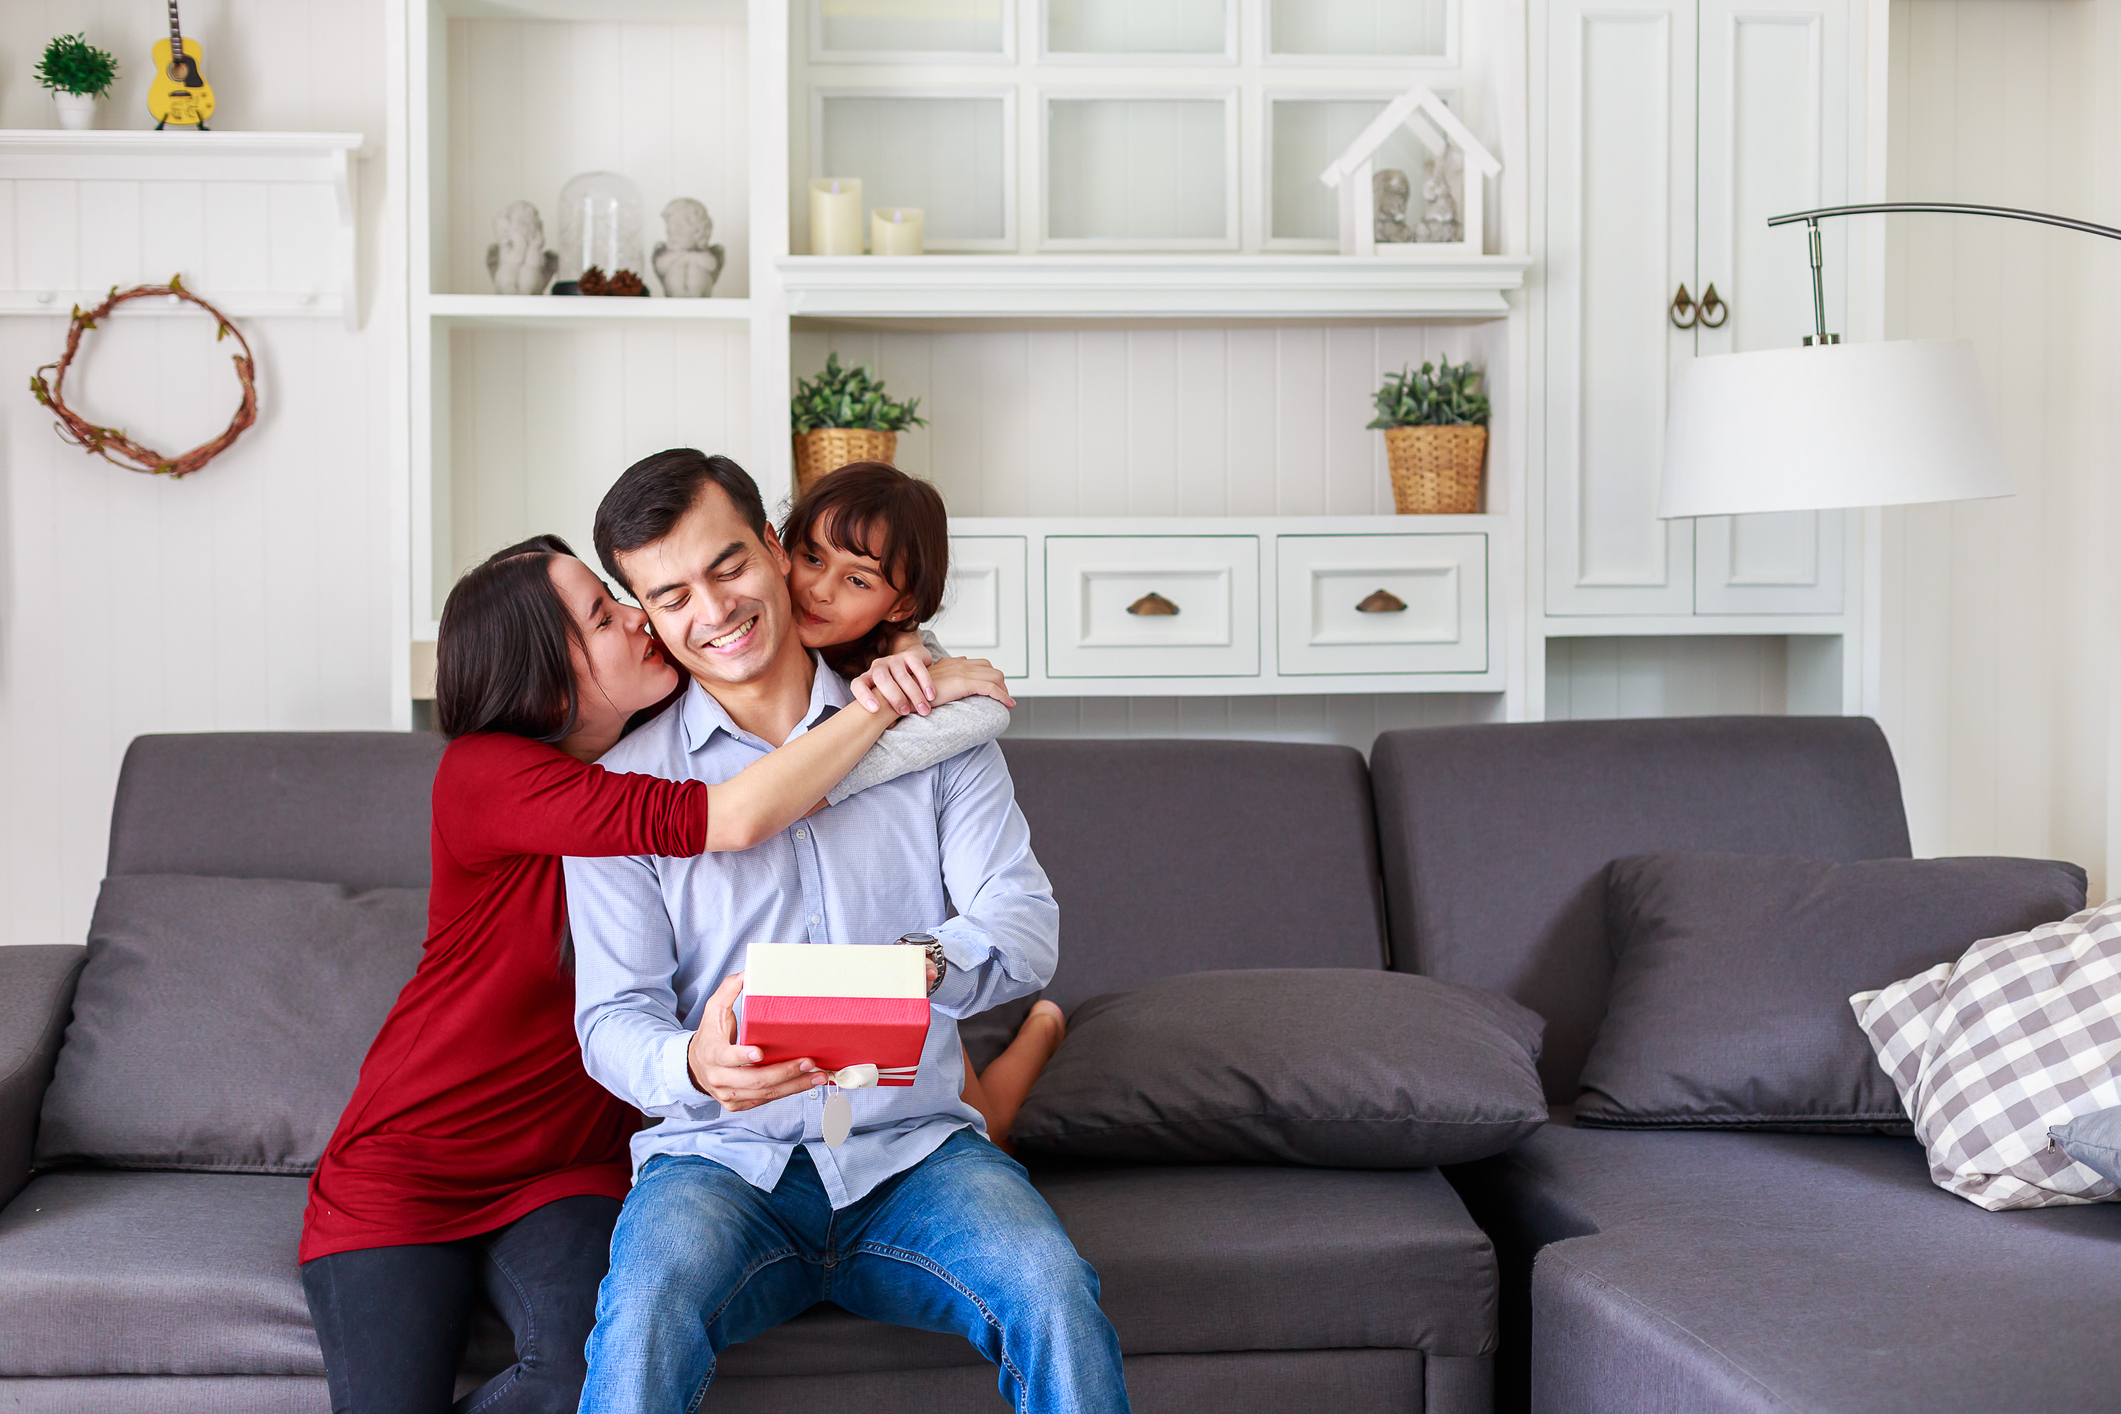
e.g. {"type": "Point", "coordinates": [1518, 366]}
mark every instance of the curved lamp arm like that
{"type": "Point", "coordinates": [1952, 208]}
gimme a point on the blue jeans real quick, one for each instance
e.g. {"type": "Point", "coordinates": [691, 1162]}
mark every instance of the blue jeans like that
{"type": "Point", "coordinates": [960, 1242]}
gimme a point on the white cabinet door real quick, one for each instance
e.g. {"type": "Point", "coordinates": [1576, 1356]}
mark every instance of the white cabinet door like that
{"type": "Point", "coordinates": [1774, 109]}
{"type": "Point", "coordinates": [1620, 241]}
{"type": "Point", "coordinates": [983, 603]}
{"type": "Point", "coordinates": [1152, 606]}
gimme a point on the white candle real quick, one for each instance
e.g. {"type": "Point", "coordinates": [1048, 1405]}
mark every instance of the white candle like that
{"type": "Point", "coordinates": [835, 216]}
{"type": "Point", "coordinates": [895, 230]}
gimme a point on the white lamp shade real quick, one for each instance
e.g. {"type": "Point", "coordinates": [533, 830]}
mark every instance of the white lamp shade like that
{"type": "Point", "coordinates": [1804, 429]}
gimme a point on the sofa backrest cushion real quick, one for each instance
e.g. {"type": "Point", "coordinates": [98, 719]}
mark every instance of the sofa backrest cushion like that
{"type": "Point", "coordinates": [1496, 838]}
{"type": "Point", "coordinates": [332, 807]}
{"type": "Point", "coordinates": [1195, 856]}
{"type": "Point", "coordinates": [220, 1023]}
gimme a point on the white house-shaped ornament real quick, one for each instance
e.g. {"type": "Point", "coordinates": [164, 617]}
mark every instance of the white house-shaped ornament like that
{"type": "Point", "coordinates": [1352, 174]}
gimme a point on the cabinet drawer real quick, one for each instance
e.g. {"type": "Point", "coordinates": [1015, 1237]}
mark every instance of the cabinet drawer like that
{"type": "Point", "coordinates": [1152, 606]}
{"type": "Point", "coordinates": [983, 605]}
{"type": "Point", "coordinates": [1383, 603]}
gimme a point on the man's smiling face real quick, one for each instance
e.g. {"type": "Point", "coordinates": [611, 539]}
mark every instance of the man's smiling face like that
{"type": "Point", "coordinates": [716, 593]}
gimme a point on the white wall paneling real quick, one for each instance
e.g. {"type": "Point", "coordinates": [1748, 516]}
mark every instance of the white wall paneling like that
{"type": "Point", "coordinates": [1150, 421]}
{"type": "Point", "coordinates": [264, 592]}
{"type": "Point", "coordinates": [967, 31]}
{"type": "Point", "coordinates": [1315, 29]}
{"type": "Point", "coordinates": [1999, 622]}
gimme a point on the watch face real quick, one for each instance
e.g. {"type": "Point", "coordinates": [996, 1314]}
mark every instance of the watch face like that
{"type": "Point", "coordinates": [919, 940]}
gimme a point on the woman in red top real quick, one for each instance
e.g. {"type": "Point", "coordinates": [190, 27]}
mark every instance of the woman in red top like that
{"type": "Point", "coordinates": [476, 1154]}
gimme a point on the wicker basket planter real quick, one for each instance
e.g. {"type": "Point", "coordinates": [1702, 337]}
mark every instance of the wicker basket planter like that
{"type": "Point", "coordinates": [830, 448]}
{"type": "Point", "coordinates": [1436, 470]}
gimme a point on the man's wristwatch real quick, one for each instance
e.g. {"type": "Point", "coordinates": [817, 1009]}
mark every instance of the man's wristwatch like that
{"type": "Point", "coordinates": [934, 945]}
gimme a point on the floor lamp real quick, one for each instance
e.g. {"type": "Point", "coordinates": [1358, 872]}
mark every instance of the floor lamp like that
{"type": "Point", "coordinates": [1834, 425]}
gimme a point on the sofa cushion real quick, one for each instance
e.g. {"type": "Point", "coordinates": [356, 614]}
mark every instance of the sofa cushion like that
{"type": "Point", "coordinates": [1729, 1271]}
{"type": "Point", "coordinates": [1188, 856]}
{"type": "Point", "coordinates": [1334, 1067]}
{"type": "Point", "coordinates": [1729, 1001]}
{"type": "Point", "coordinates": [332, 807]}
{"type": "Point", "coordinates": [154, 1274]}
{"type": "Point", "coordinates": [220, 1023]}
{"type": "Point", "coordinates": [1496, 838]}
{"type": "Point", "coordinates": [194, 1274]}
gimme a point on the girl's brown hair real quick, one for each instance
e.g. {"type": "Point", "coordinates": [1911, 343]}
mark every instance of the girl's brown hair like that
{"type": "Point", "coordinates": [875, 510]}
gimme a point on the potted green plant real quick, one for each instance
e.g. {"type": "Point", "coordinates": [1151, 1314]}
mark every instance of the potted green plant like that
{"type": "Point", "coordinates": [1435, 422]}
{"type": "Point", "coordinates": [842, 416]}
{"type": "Point", "coordinates": [77, 73]}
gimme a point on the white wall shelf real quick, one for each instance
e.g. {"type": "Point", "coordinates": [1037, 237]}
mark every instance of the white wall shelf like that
{"type": "Point", "coordinates": [575, 312]}
{"type": "Point", "coordinates": [262, 224]}
{"type": "Point", "coordinates": [1149, 287]}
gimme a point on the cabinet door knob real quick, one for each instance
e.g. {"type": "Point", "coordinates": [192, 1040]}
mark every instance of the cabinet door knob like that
{"type": "Point", "coordinates": [1383, 601]}
{"type": "Point", "coordinates": [1711, 302]}
{"type": "Point", "coordinates": [1153, 603]}
{"type": "Point", "coordinates": [1683, 314]}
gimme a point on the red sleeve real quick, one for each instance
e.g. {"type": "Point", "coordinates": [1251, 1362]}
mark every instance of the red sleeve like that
{"type": "Point", "coordinates": [498, 796]}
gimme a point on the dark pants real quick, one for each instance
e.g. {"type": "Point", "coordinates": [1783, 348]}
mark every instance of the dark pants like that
{"type": "Point", "coordinates": [392, 1320]}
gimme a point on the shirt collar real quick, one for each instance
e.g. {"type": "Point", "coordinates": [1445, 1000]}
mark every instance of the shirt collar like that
{"type": "Point", "coordinates": [702, 716]}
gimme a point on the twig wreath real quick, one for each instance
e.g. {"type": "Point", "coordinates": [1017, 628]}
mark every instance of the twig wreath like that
{"type": "Point", "coordinates": [111, 443]}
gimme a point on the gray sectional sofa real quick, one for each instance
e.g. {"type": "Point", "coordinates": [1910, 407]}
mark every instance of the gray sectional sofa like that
{"type": "Point", "coordinates": [1583, 1270]}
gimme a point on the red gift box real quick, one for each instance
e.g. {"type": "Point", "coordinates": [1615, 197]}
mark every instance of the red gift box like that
{"type": "Point", "coordinates": [838, 1004]}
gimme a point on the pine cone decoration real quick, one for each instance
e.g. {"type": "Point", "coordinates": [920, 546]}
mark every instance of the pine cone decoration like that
{"type": "Point", "coordinates": [621, 282]}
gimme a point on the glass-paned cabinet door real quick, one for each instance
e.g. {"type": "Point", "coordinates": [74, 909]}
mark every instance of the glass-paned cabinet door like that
{"type": "Point", "coordinates": [1145, 173]}
{"type": "Point", "coordinates": [1361, 29]}
{"type": "Point", "coordinates": [1161, 30]}
{"type": "Point", "coordinates": [948, 153]}
{"type": "Point", "coordinates": [893, 31]}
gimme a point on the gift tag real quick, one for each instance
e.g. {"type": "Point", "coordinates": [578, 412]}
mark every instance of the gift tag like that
{"type": "Point", "coordinates": [839, 1119]}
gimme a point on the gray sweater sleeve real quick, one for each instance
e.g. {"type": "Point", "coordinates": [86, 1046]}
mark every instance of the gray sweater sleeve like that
{"type": "Point", "coordinates": [916, 743]}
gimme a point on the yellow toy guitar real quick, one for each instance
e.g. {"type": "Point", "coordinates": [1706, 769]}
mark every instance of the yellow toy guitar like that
{"type": "Point", "coordinates": [177, 94]}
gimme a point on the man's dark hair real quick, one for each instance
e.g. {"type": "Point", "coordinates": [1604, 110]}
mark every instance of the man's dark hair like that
{"type": "Point", "coordinates": [875, 510]}
{"type": "Point", "coordinates": [655, 492]}
{"type": "Point", "coordinates": [503, 663]}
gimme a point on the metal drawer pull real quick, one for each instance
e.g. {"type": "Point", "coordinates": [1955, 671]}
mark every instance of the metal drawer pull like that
{"type": "Point", "coordinates": [1382, 602]}
{"type": "Point", "coordinates": [1683, 309]}
{"type": "Point", "coordinates": [1153, 603]}
{"type": "Point", "coordinates": [1710, 303]}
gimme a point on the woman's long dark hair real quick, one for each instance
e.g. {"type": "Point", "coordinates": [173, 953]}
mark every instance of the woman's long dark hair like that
{"type": "Point", "coordinates": [503, 662]}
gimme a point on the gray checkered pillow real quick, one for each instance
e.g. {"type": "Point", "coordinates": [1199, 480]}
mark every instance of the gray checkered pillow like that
{"type": "Point", "coordinates": [2021, 1033]}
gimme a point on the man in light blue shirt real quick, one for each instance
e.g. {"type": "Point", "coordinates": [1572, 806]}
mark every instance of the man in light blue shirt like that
{"type": "Point", "coordinates": [741, 1215]}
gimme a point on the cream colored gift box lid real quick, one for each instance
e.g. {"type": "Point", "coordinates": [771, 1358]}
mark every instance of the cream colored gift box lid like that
{"type": "Point", "coordinates": [835, 970]}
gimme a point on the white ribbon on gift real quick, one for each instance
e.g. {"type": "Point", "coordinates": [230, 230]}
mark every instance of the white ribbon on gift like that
{"type": "Point", "coordinates": [838, 1121]}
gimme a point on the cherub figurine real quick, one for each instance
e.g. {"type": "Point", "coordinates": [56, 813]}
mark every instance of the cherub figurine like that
{"type": "Point", "coordinates": [518, 260]}
{"type": "Point", "coordinates": [686, 264]}
{"type": "Point", "coordinates": [1389, 191]}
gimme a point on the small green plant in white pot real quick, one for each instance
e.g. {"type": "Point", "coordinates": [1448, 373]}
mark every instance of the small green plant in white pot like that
{"type": "Point", "coordinates": [77, 73]}
{"type": "Point", "coordinates": [1435, 423]}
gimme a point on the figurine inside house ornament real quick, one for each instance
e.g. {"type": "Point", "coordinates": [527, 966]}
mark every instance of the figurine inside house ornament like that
{"type": "Point", "coordinates": [517, 259]}
{"type": "Point", "coordinates": [1439, 206]}
{"type": "Point", "coordinates": [1390, 192]}
{"type": "Point", "coordinates": [686, 262]}
{"type": "Point", "coordinates": [1373, 212]}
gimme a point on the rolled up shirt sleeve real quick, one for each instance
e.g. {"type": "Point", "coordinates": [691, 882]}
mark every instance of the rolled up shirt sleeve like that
{"type": "Point", "coordinates": [634, 1038]}
{"type": "Point", "coordinates": [1005, 940]}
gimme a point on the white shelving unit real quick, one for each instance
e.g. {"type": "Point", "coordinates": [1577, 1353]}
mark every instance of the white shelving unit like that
{"type": "Point", "coordinates": [265, 221]}
{"type": "Point", "coordinates": [525, 408]}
